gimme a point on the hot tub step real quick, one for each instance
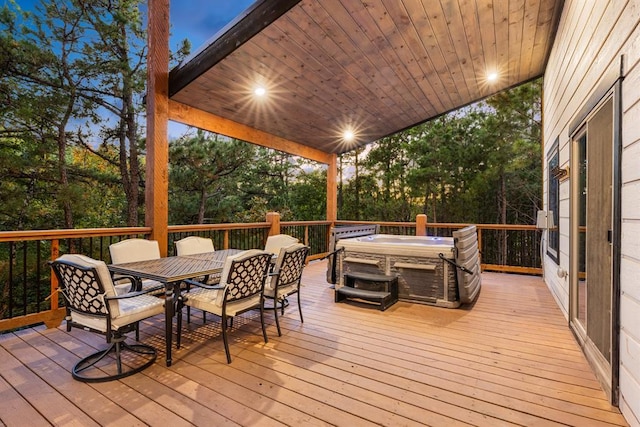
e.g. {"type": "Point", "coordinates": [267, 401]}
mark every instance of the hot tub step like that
{"type": "Point", "coordinates": [377, 288]}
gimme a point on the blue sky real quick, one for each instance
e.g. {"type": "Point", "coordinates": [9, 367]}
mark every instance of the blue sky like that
{"type": "Point", "coordinates": [196, 20]}
{"type": "Point", "coordinates": [199, 20]}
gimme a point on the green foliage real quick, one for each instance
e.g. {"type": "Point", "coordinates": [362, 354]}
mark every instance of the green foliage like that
{"type": "Point", "coordinates": [72, 80]}
{"type": "Point", "coordinates": [68, 74]}
{"type": "Point", "coordinates": [480, 164]}
{"type": "Point", "coordinates": [204, 171]}
{"type": "Point", "coordinates": [308, 195]}
{"type": "Point", "coordinates": [215, 179]}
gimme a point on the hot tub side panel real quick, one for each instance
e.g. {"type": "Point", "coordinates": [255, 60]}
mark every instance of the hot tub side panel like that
{"type": "Point", "coordinates": [422, 276]}
{"type": "Point", "coordinates": [468, 255]}
{"type": "Point", "coordinates": [358, 262]}
{"type": "Point", "coordinates": [344, 232]}
{"type": "Point", "coordinates": [425, 279]}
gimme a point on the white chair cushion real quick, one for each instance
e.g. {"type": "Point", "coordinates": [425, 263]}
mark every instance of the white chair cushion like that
{"type": "Point", "coordinates": [137, 308]}
{"type": "Point", "coordinates": [211, 299]}
{"type": "Point", "coordinates": [131, 310]}
{"type": "Point", "coordinates": [227, 267]}
{"type": "Point", "coordinates": [282, 290]}
{"type": "Point", "coordinates": [194, 245]}
{"type": "Point", "coordinates": [103, 274]}
{"type": "Point", "coordinates": [207, 300]}
{"type": "Point", "coordinates": [124, 311]}
{"type": "Point", "coordinates": [276, 242]}
{"type": "Point", "coordinates": [132, 250]}
{"type": "Point", "coordinates": [269, 289]}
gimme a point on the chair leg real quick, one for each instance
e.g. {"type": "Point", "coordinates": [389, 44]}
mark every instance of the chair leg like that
{"type": "Point", "coordinates": [118, 357]}
{"type": "Point", "coordinates": [224, 336]}
{"type": "Point", "coordinates": [82, 370]}
{"type": "Point", "coordinates": [179, 323]}
{"type": "Point", "coordinates": [264, 329]}
{"type": "Point", "coordinates": [299, 307]}
{"type": "Point", "coordinates": [275, 314]}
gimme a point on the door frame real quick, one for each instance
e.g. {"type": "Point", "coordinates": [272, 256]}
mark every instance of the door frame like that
{"type": "Point", "coordinates": [607, 375]}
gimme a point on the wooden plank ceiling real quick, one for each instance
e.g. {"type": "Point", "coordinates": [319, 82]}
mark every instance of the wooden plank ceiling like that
{"type": "Point", "coordinates": [375, 66]}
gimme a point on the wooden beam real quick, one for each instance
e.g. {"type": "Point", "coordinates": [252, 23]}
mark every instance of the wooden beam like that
{"type": "Point", "coordinates": [257, 17]}
{"type": "Point", "coordinates": [157, 184]}
{"type": "Point", "coordinates": [332, 189]}
{"type": "Point", "coordinates": [52, 319]}
{"type": "Point", "coordinates": [201, 119]}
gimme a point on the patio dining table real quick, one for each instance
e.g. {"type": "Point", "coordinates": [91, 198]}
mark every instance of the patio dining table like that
{"type": "Point", "coordinates": [172, 271]}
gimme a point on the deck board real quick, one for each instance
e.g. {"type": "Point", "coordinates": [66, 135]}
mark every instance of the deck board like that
{"type": "Point", "coordinates": [509, 359]}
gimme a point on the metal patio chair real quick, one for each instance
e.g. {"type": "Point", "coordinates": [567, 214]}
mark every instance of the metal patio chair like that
{"type": "Point", "coordinates": [240, 290]}
{"type": "Point", "coordinates": [93, 304]}
{"type": "Point", "coordinates": [194, 245]}
{"type": "Point", "coordinates": [278, 241]}
{"type": "Point", "coordinates": [285, 278]}
{"type": "Point", "coordinates": [132, 250]}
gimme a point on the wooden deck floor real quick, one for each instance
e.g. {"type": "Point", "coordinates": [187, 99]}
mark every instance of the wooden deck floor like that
{"type": "Point", "coordinates": [508, 360]}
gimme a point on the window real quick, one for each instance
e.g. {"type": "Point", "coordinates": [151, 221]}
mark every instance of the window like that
{"type": "Point", "coordinates": [553, 203]}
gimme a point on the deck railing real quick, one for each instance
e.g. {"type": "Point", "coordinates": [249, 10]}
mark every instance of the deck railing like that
{"type": "Point", "coordinates": [28, 290]}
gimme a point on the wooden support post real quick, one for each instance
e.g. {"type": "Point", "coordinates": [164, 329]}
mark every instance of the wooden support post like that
{"type": "Point", "coordinates": [421, 225]}
{"type": "Point", "coordinates": [273, 218]}
{"type": "Point", "coordinates": [332, 189]}
{"type": "Point", "coordinates": [157, 185]}
{"type": "Point", "coordinates": [54, 318]}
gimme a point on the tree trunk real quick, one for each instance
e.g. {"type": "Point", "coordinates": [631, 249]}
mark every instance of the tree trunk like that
{"type": "Point", "coordinates": [340, 188]}
{"type": "Point", "coordinates": [203, 203]}
{"type": "Point", "coordinates": [62, 171]}
{"type": "Point", "coordinates": [502, 204]}
{"type": "Point", "coordinates": [425, 206]}
{"type": "Point", "coordinates": [357, 185]}
{"type": "Point", "coordinates": [133, 196]}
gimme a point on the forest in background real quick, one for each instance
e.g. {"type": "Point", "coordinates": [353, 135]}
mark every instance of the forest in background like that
{"type": "Point", "coordinates": [72, 143]}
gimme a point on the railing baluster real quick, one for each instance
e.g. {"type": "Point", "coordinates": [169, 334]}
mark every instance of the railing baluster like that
{"type": "Point", "coordinates": [38, 277]}
{"type": "Point", "coordinates": [10, 283]}
{"type": "Point", "coordinates": [24, 278]}
{"type": "Point", "coordinates": [522, 251]}
{"type": "Point", "coordinates": [480, 248]}
{"type": "Point", "coordinates": [55, 253]}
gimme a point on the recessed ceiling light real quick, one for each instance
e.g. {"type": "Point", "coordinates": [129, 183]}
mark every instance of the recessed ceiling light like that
{"type": "Point", "coordinates": [260, 91]}
{"type": "Point", "coordinates": [348, 135]}
{"type": "Point", "coordinates": [492, 77]}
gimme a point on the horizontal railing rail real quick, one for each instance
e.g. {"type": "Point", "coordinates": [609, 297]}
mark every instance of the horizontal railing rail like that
{"type": "Point", "coordinates": [224, 236]}
{"type": "Point", "coordinates": [28, 293]}
{"type": "Point", "coordinates": [314, 234]}
{"type": "Point", "coordinates": [509, 248]}
{"type": "Point", "coordinates": [28, 290]}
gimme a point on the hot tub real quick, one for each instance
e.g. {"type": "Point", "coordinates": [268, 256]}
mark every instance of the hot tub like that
{"type": "Point", "coordinates": [423, 276]}
{"type": "Point", "coordinates": [392, 240]}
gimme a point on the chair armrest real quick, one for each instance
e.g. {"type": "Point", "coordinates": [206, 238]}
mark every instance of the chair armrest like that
{"type": "Point", "coordinates": [202, 285]}
{"type": "Point", "coordinates": [136, 282]}
{"type": "Point", "coordinates": [135, 293]}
